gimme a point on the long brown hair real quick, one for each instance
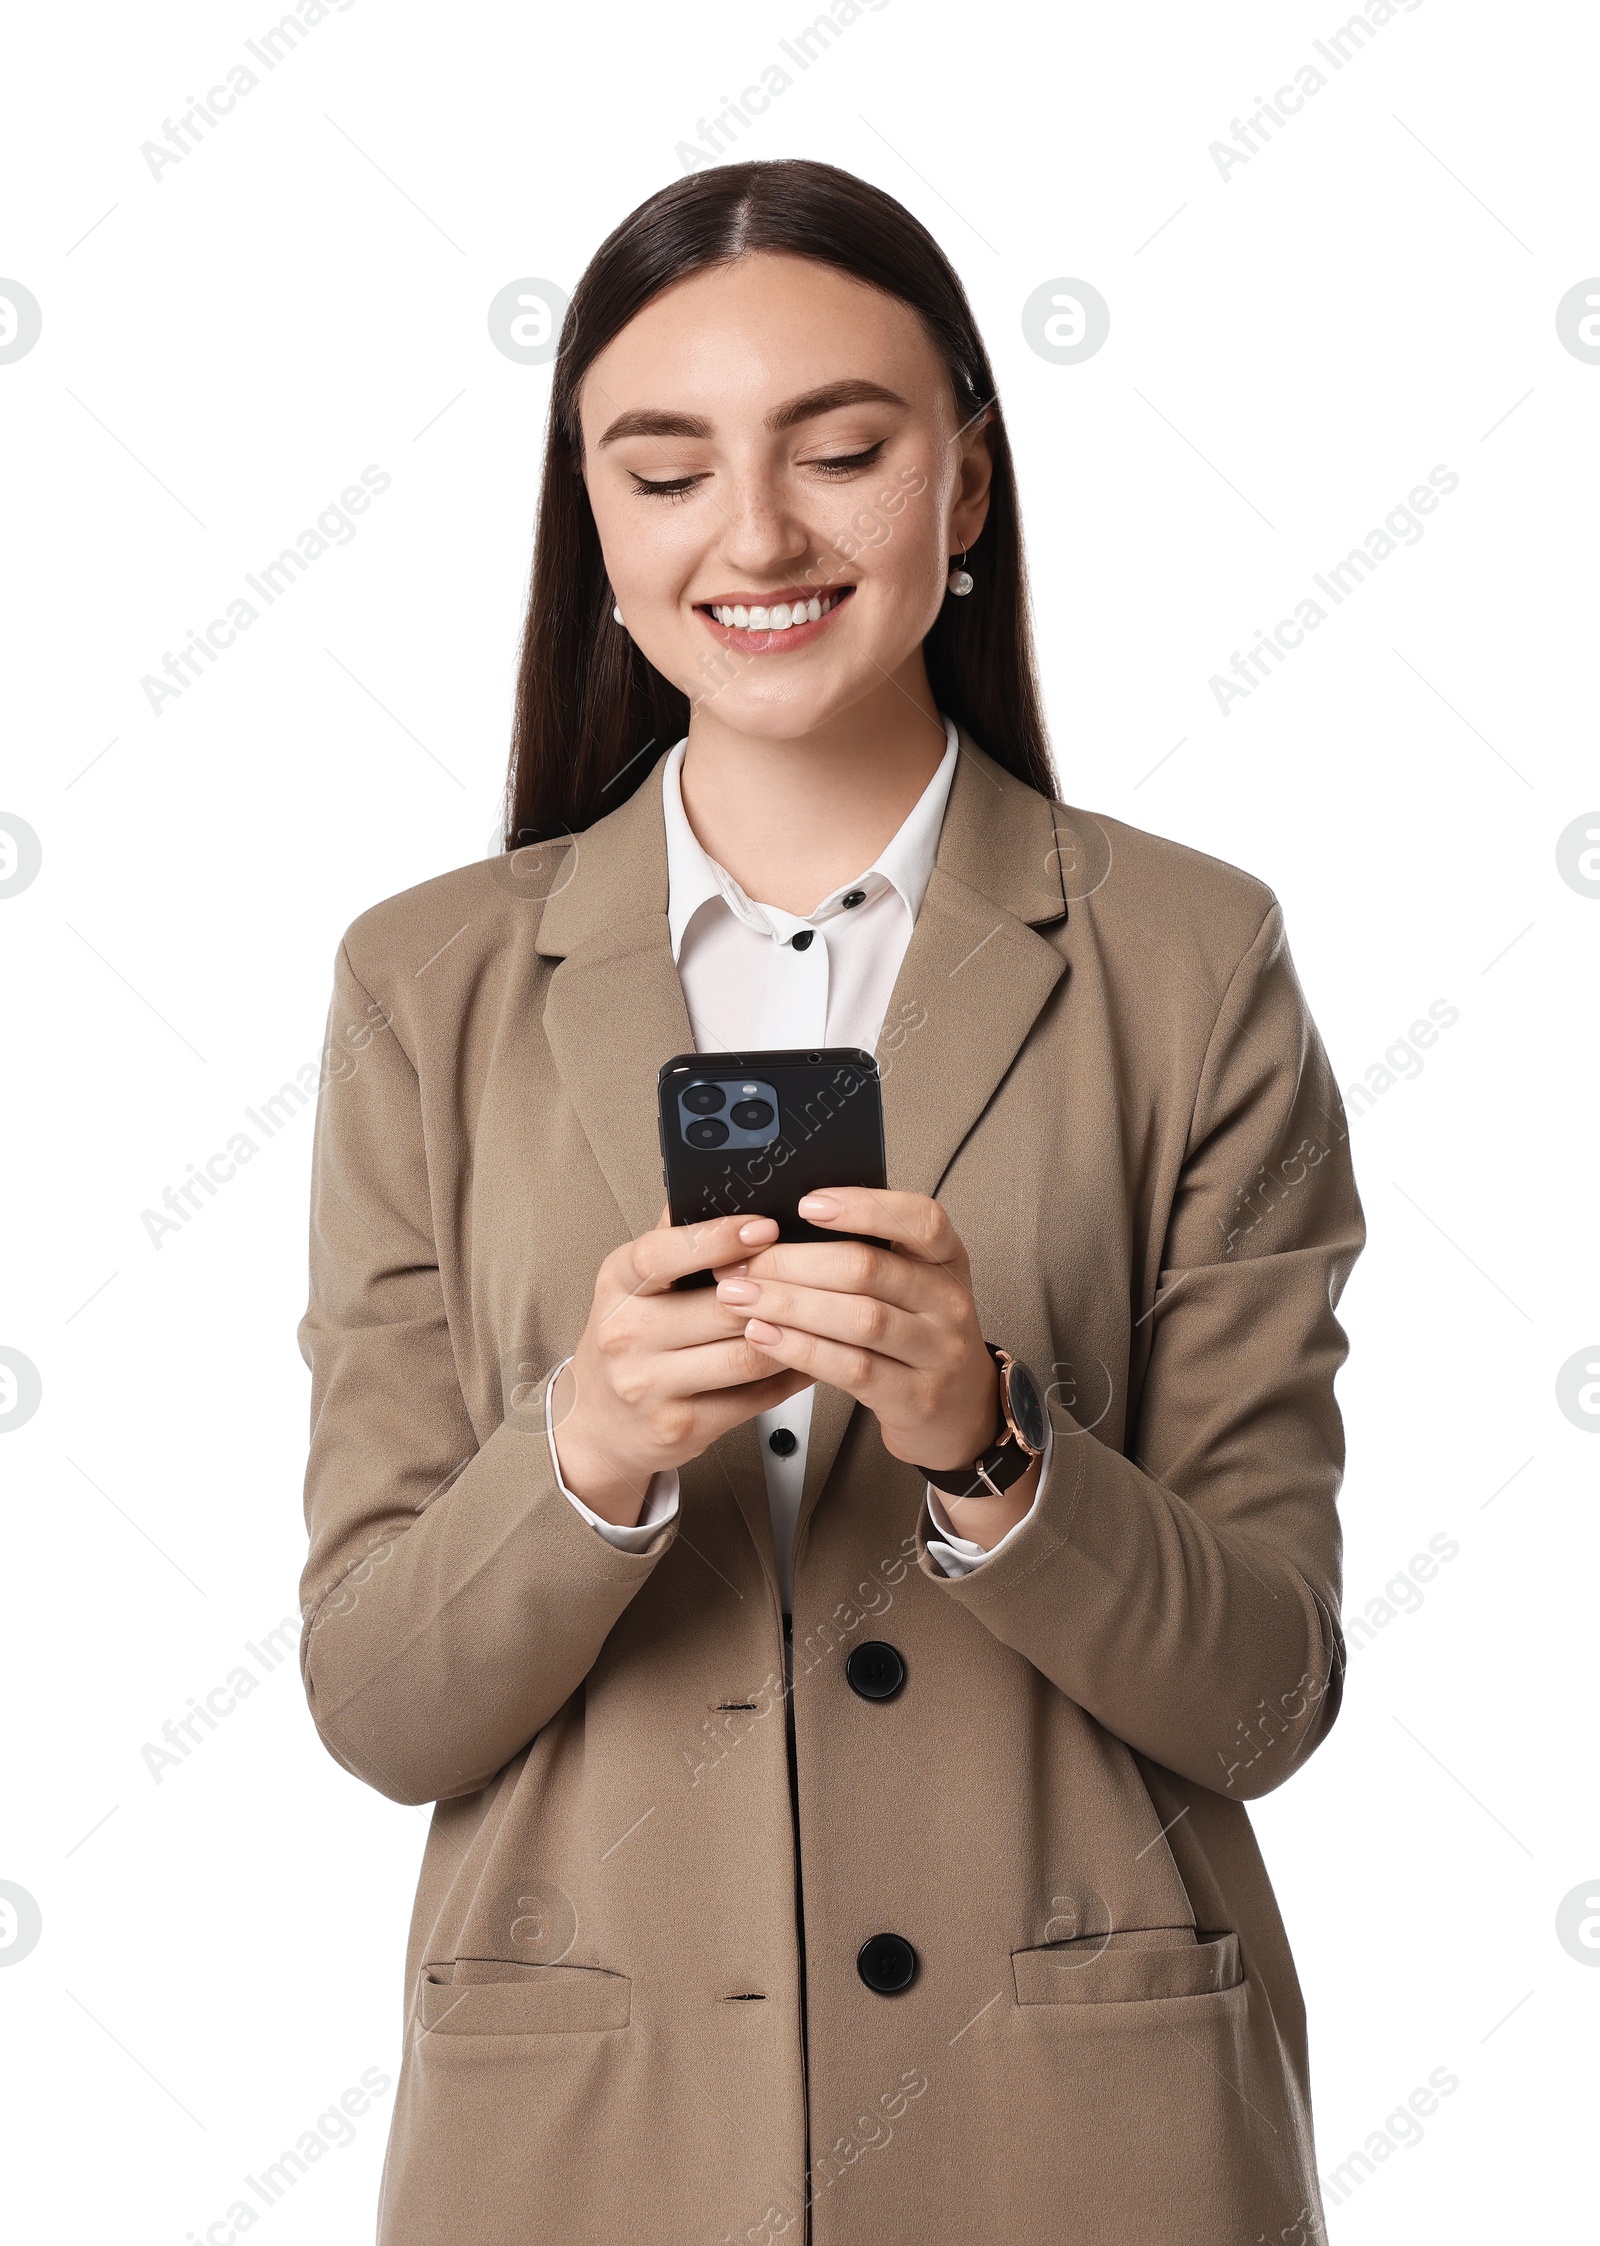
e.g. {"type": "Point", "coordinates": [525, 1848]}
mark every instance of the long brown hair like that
{"type": "Point", "coordinates": [589, 707]}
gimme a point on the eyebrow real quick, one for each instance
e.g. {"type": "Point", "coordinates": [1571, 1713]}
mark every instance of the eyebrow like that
{"type": "Point", "coordinates": [654, 421]}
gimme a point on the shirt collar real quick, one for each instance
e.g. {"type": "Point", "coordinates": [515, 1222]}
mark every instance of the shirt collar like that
{"type": "Point", "coordinates": [905, 862]}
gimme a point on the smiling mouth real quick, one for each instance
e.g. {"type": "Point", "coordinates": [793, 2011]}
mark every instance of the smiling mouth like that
{"type": "Point", "coordinates": [763, 627]}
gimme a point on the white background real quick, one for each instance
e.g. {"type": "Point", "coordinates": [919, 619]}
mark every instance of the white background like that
{"type": "Point", "coordinates": [1292, 349]}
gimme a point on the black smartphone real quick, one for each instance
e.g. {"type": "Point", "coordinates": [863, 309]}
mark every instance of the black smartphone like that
{"type": "Point", "coordinates": [749, 1134]}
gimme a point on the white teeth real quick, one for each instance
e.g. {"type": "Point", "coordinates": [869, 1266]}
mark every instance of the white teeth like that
{"type": "Point", "coordinates": [781, 617]}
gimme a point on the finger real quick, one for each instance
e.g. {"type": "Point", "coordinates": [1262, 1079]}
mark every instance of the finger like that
{"type": "Point", "coordinates": [658, 1324]}
{"type": "Point", "coordinates": [861, 1373]}
{"type": "Point", "coordinates": [916, 1224]}
{"type": "Point", "coordinates": [848, 1267]}
{"type": "Point", "coordinates": [667, 1252]}
{"type": "Point", "coordinates": [731, 1407]}
{"type": "Point", "coordinates": [861, 1321]}
{"type": "Point", "coordinates": [733, 1363]}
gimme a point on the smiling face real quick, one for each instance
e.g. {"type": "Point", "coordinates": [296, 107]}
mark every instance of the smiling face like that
{"type": "Point", "coordinates": [779, 479]}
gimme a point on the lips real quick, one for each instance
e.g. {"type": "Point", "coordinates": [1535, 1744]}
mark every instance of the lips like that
{"type": "Point", "coordinates": [778, 623]}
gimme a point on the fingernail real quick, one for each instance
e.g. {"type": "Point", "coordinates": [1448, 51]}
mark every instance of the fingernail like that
{"type": "Point", "coordinates": [756, 1229]}
{"type": "Point", "coordinates": [818, 1205]}
{"type": "Point", "coordinates": [738, 1290]}
{"type": "Point", "coordinates": [757, 1330]}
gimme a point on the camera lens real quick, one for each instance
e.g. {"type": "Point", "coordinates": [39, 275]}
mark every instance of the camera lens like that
{"type": "Point", "coordinates": [752, 1115]}
{"type": "Point", "coordinates": [703, 1099]}
{"type": "Point", "coordinates": [709, 1133]}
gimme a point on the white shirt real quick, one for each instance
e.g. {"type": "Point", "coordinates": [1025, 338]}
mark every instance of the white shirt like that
{"type": "Point", "coordinates": [748, 989]}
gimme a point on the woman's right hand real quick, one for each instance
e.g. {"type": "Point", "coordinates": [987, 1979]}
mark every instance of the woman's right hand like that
{"type": "Point", "coordinates": [658, 1375]}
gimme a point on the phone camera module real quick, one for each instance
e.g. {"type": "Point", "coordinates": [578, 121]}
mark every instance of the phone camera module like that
{"type": "Point", "coordinates": [737, 1114]}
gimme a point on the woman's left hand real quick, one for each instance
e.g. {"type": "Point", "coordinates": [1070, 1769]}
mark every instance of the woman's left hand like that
{"type": "Point", "coordinates": [895, 1327]}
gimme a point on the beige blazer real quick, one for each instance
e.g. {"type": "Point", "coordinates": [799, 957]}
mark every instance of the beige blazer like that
{"type": "Point", "coordinates": [633, 2008]}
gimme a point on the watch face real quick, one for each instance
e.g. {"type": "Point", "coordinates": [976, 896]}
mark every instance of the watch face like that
{"type": "Point", "coordinates": [1025, 1406]}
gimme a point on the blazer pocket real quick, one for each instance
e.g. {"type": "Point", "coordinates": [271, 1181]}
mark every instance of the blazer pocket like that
{"type": "Point", "coordinates": [1127, 1968]}
{"type": "Point", "coordinates": [487, 1996]}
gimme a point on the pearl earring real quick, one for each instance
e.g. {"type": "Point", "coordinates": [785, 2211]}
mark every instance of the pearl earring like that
{"type": "Point", "coordinates": [617, 613]}
{"type": "Point", "coordinates": [959, 580]}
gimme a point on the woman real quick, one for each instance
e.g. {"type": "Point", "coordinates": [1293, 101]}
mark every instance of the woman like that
{"type": "Point", "coordinates": [947, 1924]}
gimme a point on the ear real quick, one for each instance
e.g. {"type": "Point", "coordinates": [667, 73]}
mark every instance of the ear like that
{"type": "Point", "coordinates": [969, 509]}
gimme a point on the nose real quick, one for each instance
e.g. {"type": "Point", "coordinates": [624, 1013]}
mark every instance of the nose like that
{"type": "Point", "coordinates": [763, 534]}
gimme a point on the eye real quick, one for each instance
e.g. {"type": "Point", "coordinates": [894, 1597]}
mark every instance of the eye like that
{"type": "Point", "coordinates": [679, 487]}
{"type": "Point", "coordinates": [845, 463]}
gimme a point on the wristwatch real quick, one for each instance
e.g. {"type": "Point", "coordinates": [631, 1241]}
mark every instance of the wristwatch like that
{"type": "Point", "coordinates": [1024, 1429]}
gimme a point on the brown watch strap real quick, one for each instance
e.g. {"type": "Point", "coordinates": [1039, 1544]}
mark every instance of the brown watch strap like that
{"type": "Point", "coordinates": [1004, 1462]}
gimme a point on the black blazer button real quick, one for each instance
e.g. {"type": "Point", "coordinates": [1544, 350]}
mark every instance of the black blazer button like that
{"type": "Point", "coordinates": [887, 1963]}
{"type": "Point", "coordinates": [875, 1670]}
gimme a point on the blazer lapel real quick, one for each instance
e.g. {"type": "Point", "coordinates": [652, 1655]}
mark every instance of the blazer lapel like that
{"type": "Point", "coordinates": [615, 1009]}
{"type": "Point", "coordinates": [613, 1013]}
{"type": "Point", "coordinates": [970, 988]}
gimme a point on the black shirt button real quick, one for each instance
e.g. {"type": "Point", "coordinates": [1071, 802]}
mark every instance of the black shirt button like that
{"type": "Point", "coordinates": [801, 939]}
{"type": "Point", "coordinates": [783, 1441]}
{"type": "Point", "coordinates": [887, 1963]}
{"type": "Point", "coordinates": [853, 897]}
{"type": "Point", "coordinates": [875, 1670]}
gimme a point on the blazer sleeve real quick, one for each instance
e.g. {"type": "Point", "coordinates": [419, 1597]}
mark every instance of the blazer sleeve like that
{"type": "Point", "coordinates": [452, 1598]}
{"type": "Point", "coordinates": [1187, 1593]}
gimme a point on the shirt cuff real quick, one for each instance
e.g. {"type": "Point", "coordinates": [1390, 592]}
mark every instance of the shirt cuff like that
{"type": "Point", "coordinates": [660, 1499]}
{"type": "Point", "coordinates": [958, 1555]}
